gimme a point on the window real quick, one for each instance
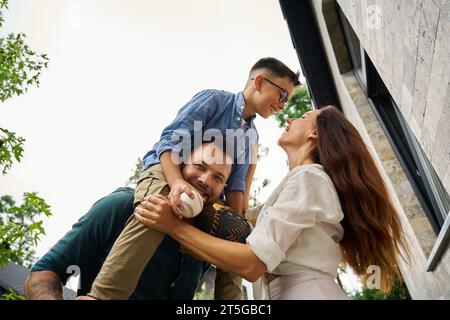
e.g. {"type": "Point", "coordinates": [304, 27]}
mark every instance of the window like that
{"type": "Point", "coordinates": [427, 185]}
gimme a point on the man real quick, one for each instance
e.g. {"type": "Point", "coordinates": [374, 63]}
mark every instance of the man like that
{"type": "Point", "coordinates": [172, 273]}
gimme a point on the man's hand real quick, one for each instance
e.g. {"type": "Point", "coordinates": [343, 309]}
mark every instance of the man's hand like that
{"type": "Point", "coordinates": [176, 190]}
{"type": "Point", "coordinates": [156, 212]}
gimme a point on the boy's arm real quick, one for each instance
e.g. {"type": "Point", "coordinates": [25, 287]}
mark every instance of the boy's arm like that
{"type": "Point", "coordinates": [235, 200]}
{"type": "Point", "coordinates": [249, 178]}
{"type": "Point", "coordinates": [248, 185]}
{"type": "Point", "coordinates": [238, 200]}
{"type": "Point", "coordinates": [175, 180]}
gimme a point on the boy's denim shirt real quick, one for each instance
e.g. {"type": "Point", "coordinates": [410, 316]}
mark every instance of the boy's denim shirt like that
{"type": "Point", "coordinates": [211, 109]}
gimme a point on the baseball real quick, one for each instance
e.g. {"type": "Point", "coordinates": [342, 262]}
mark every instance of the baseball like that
{"type": "Point", "coordinates": [191, 207]}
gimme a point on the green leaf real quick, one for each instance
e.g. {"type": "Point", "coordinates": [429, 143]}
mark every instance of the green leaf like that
{"type": "Point", "coordinates": [21, 228]}
{"type": "Point", "coordinates": [19, 65]}
{"type": "Point", "coordinates": [3, 4]}
{"type": "Point", "coordinates": [298, 104]}
{"type": "Point", "coordinates": [12, 295]}
{"type": "Point", "coordinates": [11, 146]}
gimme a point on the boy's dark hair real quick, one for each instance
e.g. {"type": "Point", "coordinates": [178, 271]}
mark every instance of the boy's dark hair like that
{"type": "Point", "coordinates": [278, 68]}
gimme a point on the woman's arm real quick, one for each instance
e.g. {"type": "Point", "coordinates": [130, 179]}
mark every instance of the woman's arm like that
{"type": "Point", "coordinates": [156, 213]}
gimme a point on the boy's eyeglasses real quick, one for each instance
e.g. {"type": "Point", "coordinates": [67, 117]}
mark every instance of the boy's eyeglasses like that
{"type": "Point", "coordinates": [283, 94]}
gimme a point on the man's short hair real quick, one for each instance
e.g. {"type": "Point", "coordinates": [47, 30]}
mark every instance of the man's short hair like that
{"type": "Point", "coordinates": [277, 68]}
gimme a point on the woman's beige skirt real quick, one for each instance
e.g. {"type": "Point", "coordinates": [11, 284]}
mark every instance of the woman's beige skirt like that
{"type": "Point", "coordinates": [308, 285]}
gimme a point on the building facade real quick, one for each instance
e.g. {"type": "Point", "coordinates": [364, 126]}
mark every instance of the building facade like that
{"type": "Point", "coordinates": [386, 65]}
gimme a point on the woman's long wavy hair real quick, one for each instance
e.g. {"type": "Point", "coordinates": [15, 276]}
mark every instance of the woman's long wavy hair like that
{"type": "Point", "coordinates": [373, 233]}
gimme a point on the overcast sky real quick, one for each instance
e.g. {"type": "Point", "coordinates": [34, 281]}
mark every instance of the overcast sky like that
{"type": "Point", "coordinates": [119, 71]}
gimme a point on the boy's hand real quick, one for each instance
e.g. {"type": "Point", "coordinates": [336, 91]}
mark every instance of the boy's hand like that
{"type": "Point", "coordinates": [174, 196]}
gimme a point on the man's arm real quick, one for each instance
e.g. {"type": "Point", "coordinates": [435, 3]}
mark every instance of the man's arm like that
{"type": "Point", "coordinates": [81, 246]}
{"type": "Point", "coordinates": [43, 285]}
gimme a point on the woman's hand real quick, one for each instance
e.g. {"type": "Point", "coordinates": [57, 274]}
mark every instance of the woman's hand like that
{"type": "Point", "coordinates": [156, 212]}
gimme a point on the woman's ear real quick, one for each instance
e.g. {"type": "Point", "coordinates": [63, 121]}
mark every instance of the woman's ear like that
{"type": "Point", "coordinates": [313, 135]}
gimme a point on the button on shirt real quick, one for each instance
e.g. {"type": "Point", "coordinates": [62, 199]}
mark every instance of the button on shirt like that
{"type": "Point", "coordinates": [212, 109]}
{"type": "Point", "coordinates": [299, 225]}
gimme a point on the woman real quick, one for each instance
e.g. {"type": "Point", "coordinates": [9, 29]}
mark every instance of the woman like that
{"type": "Point", "coordinates": [298, 242]}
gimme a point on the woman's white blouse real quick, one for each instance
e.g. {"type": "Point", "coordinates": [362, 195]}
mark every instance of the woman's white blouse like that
{"type": "Point", "coordinates": [298, 226]}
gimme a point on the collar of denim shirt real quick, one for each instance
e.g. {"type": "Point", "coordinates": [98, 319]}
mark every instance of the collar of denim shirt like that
{"type": "Point", "coordinates": [239, 105]}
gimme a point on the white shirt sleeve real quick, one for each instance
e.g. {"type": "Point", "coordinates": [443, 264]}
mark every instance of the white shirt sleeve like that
{"type": "Point", "coordinates": [308, 197]}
